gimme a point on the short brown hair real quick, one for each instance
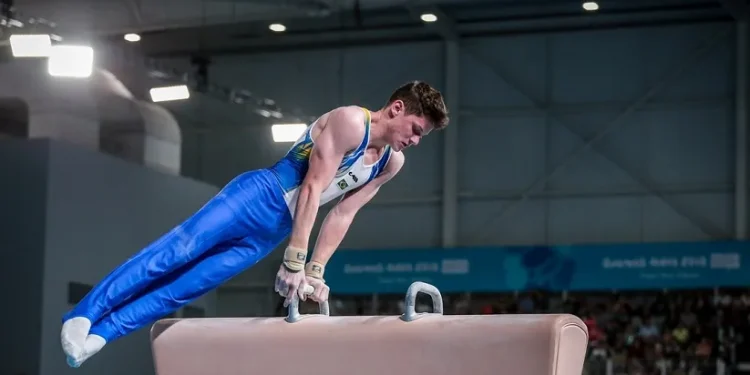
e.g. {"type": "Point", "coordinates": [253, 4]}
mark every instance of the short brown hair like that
{"type": "Point", "coordinates": [421, 99]}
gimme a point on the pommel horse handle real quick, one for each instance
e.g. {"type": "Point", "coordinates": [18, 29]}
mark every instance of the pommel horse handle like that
{"type": "Point", "coordinates": [410, 303]}
{"type": "Point", "coordinates": [409, 315]}
{"type": "Point", "coordinates": [294, 316]}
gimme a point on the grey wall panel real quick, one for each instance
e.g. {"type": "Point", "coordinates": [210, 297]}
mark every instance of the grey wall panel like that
{"type": "Point", "coordinates": [492, 220]}
{"type": "Point", "coordinates": [249, 301]}
{"type": "Point", "coordinates": [711, 75]}
{"type": "Point", "coordinates": [371, 73]}
{"type": "Point", "coordinates": [662, 223]}
{"type": "Point", "coordinates": [522, 61]}
{"type": "Point", "coordinates": [101, 210]}
{"type": "Point", "coordinates": [691, 146]}
{"type": "Point", "coordinates": [308, 80]}
{"type": "Point", "coordinates": [591, 170]}
{"type": "Point", "coordinates": [678, 144]}
{"type": "Point", "coordinates": [23, 166]}
{"type": "Point", "coordinates": [500, 154]}
{"type": "Point", "coordinates": [594, 220]}
{"type": "Point", "coordinates": [191, 153]}
{"type": "Point", "coordinates": [401, 226]}
{"type": "Point", "coordinates": [606, 66]}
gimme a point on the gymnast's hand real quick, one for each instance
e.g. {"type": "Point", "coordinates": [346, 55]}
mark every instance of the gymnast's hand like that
{"type": "Point", "coordinates": [290, 284]}
{"type": "Point", "coordinates": [314, 272]}
{"type": "Point", "coordinates": [321, 289]}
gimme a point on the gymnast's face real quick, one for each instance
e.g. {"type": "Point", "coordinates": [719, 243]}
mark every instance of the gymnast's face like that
{"type": "Point", "coordinates": [406, 129]}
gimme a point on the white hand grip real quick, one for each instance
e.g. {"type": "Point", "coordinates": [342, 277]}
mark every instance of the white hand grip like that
{"type": "Point", "coordinates": [308, 289]}
{"type": "Point", "coordinates": [295, 316]}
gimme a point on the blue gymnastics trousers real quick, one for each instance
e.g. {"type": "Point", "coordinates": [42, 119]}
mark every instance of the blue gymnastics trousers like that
{"type": "Point", "coordinates": [245, 221]}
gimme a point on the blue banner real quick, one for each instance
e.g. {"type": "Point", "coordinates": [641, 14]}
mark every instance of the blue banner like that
{"type": "Point", "coordinates": [557, 268]}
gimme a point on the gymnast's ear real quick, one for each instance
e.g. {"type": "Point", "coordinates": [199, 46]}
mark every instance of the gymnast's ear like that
{"type": "Point", "coordinates": [396, 108]}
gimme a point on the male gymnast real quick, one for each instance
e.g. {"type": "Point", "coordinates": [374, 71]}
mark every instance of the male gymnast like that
{"type": "Point", "coordinates": [348, 152]}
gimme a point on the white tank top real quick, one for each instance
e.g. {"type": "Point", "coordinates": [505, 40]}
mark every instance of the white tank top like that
{"type": "Point", "coordinates": [352, 172]}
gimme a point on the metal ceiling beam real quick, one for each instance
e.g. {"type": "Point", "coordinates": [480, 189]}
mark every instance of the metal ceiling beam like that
{"type": "Point", "coordinates": [450, 144]}
{"type": "Point", "coordinates": [318, 34]}
{"type": "Point", "coordinates": [452, 53]}
{"type": "Point", "coordinates": [742, 104]}
{"type": "Point", "coordinates": [704, 225]}
{"type": "Point", "coordinates": [311, 7]}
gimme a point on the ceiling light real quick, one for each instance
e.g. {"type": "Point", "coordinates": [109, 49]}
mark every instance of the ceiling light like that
{"type": "Point", "coordinates": [30, 45]}
{"type": "Point", "coordinates": [287, 132]}
{"type": "Point", "coordinates": [590, 6]}
{"type": "Point", "coordinates": [132, 37]}
{"type": "Point", "coordinates": [277, 27]}
{"type": "Point", "coordinates": [428, 17]}
{"type": "Point", "coordinates": [169, 93]}
{"type": "Point", "coordinates": [70, 61]}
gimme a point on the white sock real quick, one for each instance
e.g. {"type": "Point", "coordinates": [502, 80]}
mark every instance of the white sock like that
{"type": "Point", "coordinates": [73, 336]}
{"type": "Point", "coordinates": [93, 344]}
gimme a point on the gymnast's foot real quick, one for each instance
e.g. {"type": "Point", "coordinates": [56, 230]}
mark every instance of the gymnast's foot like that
{"type": "Point", "coordinates": [73, 336]}
{"type": "Point", "coordinates": [93, 344]}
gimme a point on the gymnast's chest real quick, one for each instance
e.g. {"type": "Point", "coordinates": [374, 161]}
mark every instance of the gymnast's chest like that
{"type": "Point", "coordinates": [354, 176]}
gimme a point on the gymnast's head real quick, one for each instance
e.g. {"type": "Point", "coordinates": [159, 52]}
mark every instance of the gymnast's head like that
{"type": "Point", "coordinates": [413, 111]}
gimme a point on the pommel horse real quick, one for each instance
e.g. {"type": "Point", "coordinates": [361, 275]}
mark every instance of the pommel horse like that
{"type": "Point", "coordinates": [413, 343]}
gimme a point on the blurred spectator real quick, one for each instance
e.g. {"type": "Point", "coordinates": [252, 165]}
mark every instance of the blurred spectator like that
{"type": "Point", "coordinates": [649, 330]}
{"type": "Point", "coordinates": [681, 335]}
{"type": "Point", "coordinates": [595, 334]}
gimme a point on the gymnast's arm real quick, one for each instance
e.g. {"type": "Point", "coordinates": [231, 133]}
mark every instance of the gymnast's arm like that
{"type": "Point", "coordinates": [341, 216]}
{"type": "Point", "coordinates": [342, 131]}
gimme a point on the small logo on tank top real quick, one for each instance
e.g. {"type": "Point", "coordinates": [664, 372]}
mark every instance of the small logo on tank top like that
{"type": "Point", "coordinates": [353, 177]}
{"type": "Point", "coordinates": [342, 184]}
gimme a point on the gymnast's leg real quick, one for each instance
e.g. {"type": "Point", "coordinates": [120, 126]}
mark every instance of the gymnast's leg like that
{"type": "Point", "coordinates": [215, 223]}
{"type": "Point", "coordinates": [216, 267]}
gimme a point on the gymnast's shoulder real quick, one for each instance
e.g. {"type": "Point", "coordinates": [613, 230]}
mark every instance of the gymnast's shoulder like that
{"type": "Point", "coordinates": [396, 160]}
{"type": "Point", "coordinates": [347, 119]}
